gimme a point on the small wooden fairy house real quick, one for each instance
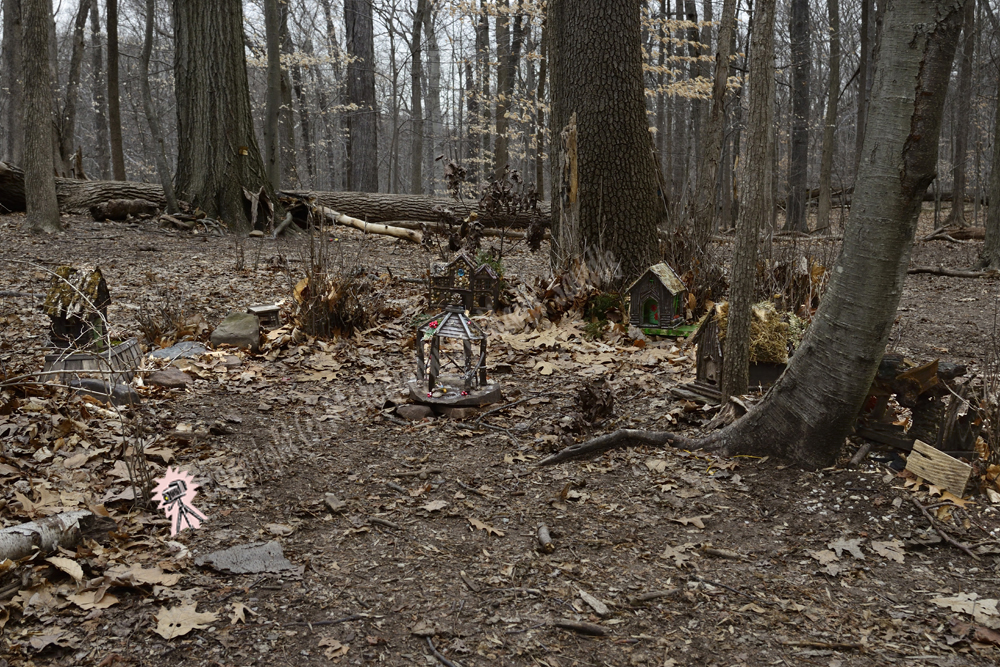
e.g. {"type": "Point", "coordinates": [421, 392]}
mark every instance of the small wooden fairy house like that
{"type": "Point", "coordinates": [657, 300]}
{"type": "Point", "coordinates": [77, 304]}
{"type": "Point", "coordinates": [461, 282]}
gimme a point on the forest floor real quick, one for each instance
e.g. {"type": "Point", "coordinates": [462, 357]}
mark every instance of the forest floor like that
{"type": "Point", "coordinates": [430, 534]}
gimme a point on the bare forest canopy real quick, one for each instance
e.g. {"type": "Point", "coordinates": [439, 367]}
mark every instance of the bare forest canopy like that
{"type": "Point", "coordinates": [450, 74]}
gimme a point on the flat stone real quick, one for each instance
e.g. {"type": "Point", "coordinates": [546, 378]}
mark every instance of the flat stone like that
{"type": "Point", "coordinates": [247, 559]}
{"type": "Point", "coordinates": [231, 361]}
{"type": "Point", "coordinates": [456, 413]}
{"type": "Point", "coordinates": [239, 330]}
{"type": "Point", "coordinates": [120, 395]}
{"type": "Point", "coordinates": [186, 349]}
{"type": "Point", "coordinates": [256, 233]}
{"type": "Point", "coordinates": [169, 377]}
{"type": "Point", "coordinates": [414, 413]}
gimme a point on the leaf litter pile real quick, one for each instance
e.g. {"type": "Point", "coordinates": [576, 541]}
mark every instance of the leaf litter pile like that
{"type": "Point", "coordinates": [339, 532]}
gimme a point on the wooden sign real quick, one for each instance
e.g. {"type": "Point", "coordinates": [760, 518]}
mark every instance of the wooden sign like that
{"type": "Point", "coordinates": [938, 468]}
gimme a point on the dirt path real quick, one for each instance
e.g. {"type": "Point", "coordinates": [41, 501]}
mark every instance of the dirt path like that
{"type": "Point", "coordinates": [432, 528]}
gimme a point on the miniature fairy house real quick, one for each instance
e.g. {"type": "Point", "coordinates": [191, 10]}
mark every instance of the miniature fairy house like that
{"type": "Point", "coordinates": [461, 282]}
{"type": "Point", "coordinates": [708, 359]}
{"type": "Point", "coordinates": [657, 300]}
{"type": "Point", "coordinates": [466, 384]}
{"type": "Point", "coordinates": [77, 303]}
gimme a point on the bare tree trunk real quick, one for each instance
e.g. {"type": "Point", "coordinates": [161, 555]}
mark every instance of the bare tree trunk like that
{"type": "Point", "coordinates": [272, 156]}
{"type": "Point", "coordinates": [830, 122]}
{"type": "Point", "coordinates": [661, 97]}
{"type": "Point", "coordinates": [286, 114]}
{"type": "Point", "coordinates": [304, 119]}
{"type": "Point", "coordinates": [963, 104]}
{"type": "Point", "coordinates": [483, 60]}
{"type": "Point", "coordinates": [608, 173]}
{"type": "Point", "coordinates": [67, 125]}
{"type": "Point", "coordinates": [798, 159]}
{"type": "Point", "coordinates": [540, 110]}
{"type": "Point", "coordinates": [114, 99]}
{"type": "Point", "coordinates": [100, 103]}
{"type": "Point", "coordinates": [758, 202]}
{"type": "Point", "coordinates": [708, 167]}
{"type": "Point", "coordinates": [159, 150]}
{"type": "Point", "coordinates": [39, 177]}
{"type": "Point", "coordinates": [13, 78]}
{"type": "Point", "coordinates": [362, 122]}
{"type": "Point", "coordinates": [505, 85]}
{"type": "Point", "coordinates": [863, 66]}
{"type": "Point", "coordinates": [217, 156]}
{"type": "Point", "coordinates": [435, 140]}
{"type": "Point", "coordinates": [416, 104]}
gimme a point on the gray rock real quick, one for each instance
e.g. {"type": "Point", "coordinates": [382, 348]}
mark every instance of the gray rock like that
{"type": "Point", "coordinates": [169, 377]}
{"type": "Point", "coordinates": [248, 558]}
{"type": "Point", "coordinates": [185, 349]}
{"type": "Point", "coordinates": [239, 330]}
{"type": "Point", "coordinates": [414, 413]}
{"type": "Point", "coordinates": [120, 395]}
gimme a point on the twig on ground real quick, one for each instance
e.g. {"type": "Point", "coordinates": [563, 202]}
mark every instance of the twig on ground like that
{"type": "Point", "coordinates": [418, 473]}
{"type": "Point", "coordinates": [653, 595]}
{"type": "Point", "coordinates": [472, 490]}
{"type": "Point", "coordinates": [384, 522]}
{"type": "Point", "coordinates": [861, 454]}
{"type": "Point", "coordinates": [582, 628]}
{"type": "Point", "coordinates": [440, 658]}
{"type": "Point", "coordinates": [335, 621]}
{"type": "Point", "coordinates": [623, 438]}
{"type": "Point", "coordinates": [945, 535]}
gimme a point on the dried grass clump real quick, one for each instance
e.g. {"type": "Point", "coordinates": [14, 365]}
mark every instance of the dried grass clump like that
{"type": "Point", "coordinates": [339, 304]}
{"type": "Point", "coordinates": [769, 333]}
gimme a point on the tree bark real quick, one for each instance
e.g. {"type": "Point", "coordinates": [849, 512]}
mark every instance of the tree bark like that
{"type": "Point", "coordinates": [362, 122]}
{"type": "Point", "coordinates": [152, 119]}
{"type": "Point", "coordinates": [13, 78]}
{"type": "Point", "coordinates": [114, 99]}
{"type": "Point", "coordinates": [540, 118]}
{"type": "Point", "coordinates": [67, 121]}
{"type": "Point", "coordinates": [798, 162]}
{"type": "Point", "coordinates": [272, 156]}
{"type": "Point", "coordinates": [434, 141]}
{"type": "Point", "coordinates": [304, 118]}
{"type": "Point", "coordinates": [811, 408]}
{"type": "Point", "coordinates": [863, 67]}
{"type": "Point", "coordinates": [613, 178]}
{"type": "Point", "coordinates": [483, 63]}
{"type": "Point", "coordinates": [756, 188]}
{"type": "Point", "coordinates": [416, 103]}
{"type": "Point", "coordinates": [286, 113]}
{"type": "Point", "coordinates": [506, 62]}
{"type": "Point", "coordinates": [100, 103]}
{"type": "Point", "coordinates": [708, 166]}
{"type": "Point", "coordinates": [39, 181]}
{"type": "Point", "coordinates": [217, 154]}
{"type": "Point", "coordinates": [830, 122]}
{"type": "Point", "coordinates": [963, 104]}
{"type": "Point", "coordinates": [989, 255]}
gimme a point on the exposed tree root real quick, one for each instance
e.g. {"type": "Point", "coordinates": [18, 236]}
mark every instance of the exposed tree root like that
{"type": "Point", "coordinates": [627, 438]}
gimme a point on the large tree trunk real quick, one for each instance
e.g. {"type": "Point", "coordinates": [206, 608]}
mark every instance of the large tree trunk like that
{"type": "Point", "coordinates": [830, 121]}
{"type": "Point", "coordinates": [505, 86]}
{"type": "Point", "coordinates": [362, 122]}
{"type": "Point", "coordinates": [114, 98]}
{"type": "Point", "coordinates": [272, 105]}
{"type": "Point", "coordinates": [152, 119]}
{"type": "Point", "coordinates": [416, 104]}
{"type": "Point", "coordinates": [963, 102]}
{"type": "Point", "coordinates": [810, 410]}
{"type": "Point", "coordinates": [67, 124]}
{"type": "Point", "coordinates": [434, 145]}
{"type": "Point", "coordinates": [483, 64]}
{"type": "Point", "coordinates": [798, 159]}
{"type": "Point", "coordinates": [611, 177]}
{"type": "Point", "coordinates": [708, 166]}
{"type": "Point", "coordinates": [100, 104]}
{"type": "Point", "coordinates": [756, 187]}
{"type": "Point", "coordinates": [540, 118]}
{"type": "Point", "coordinates": [304, 116]}
{"type": "Point", "coordinates": [863, 69]}
{"type": "Point", "coordinates": [13, 78]}
{"type": "Point", "coordinates": [39, 181]}
{"type": "Point", "coordinates": [286, 115]}
{"type": "Point", "coordinates": [989, 255]}
{"type": "Point", "coordinates": [217, 154]}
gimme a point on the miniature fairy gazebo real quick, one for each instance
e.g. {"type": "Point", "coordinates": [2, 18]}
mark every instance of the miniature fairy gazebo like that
{"type": "Point", "coordinates": [657, 301]}
{"type": "Point", "coordinates": [468, 384]}
{"type": "Point", "coordinates": [461, 282]}
{"type": "Point", "coordinates": [77, 303]}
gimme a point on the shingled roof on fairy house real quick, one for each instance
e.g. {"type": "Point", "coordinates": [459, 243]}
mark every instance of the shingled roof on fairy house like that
{"type": "Point", "coordinates": [657, 301]}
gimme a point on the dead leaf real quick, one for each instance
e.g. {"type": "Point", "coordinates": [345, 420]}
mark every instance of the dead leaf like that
{"type": "Point", "coordinates": [544, 368]}
{"type": "Point", "coordinates": [435, 505]}
{"type": "Point", "coordinates": [656, 465]}
{"type": "Point", "coordinates": [239, 613]}
{"type": "Point", "coordinates": [695, 521]}
{"type": "Point", "coordinates": [677, 554]}
{"type": "Point", "coordinates": [62, 638]}
{"type": "Point", "coordinates": [335, 650]}
{"type": "Point", "coordinates": [961, 502]}
{"type": "Point", "coordinates": [754, 608]}
{"type": "Point", "coordinates": [983, 611]}
{"type": "Point", "coordinates": [892, 550]}
{"type": "Point", "coordinates": [490, 530]}
{"type": "Point", "coordinates": [136, 575]}
{"type": "Point", "coordinates": [98, 599]}
{"type": "Point", "coordinates": [69, 566]}
{"type": "Point", "coordinates": [851, 546]}
{"type": "Point", "coordinates": [178, 621]}
{"type": "Point", "coordinates": [825, 557]}
{"type": "Point", "coordinates": [279, 529]}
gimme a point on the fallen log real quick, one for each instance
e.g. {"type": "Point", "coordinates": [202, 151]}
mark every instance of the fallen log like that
{"type": "Point", "coordinates": [75, 196]}
{"type": "Point", "coordinates": [338, 218]}
{"type": "Point", "coordinates": [953, 273]}
{"type": "Point", "coordinates": [385, 208]}
{"type": "Point", "coordinates": [62, 530]}
{"type": "Point", "coordinates": [121, 209]}
{"type": "Point", "coordinates": [491, 232]}
{"type": "Point", "coordinates": [956, 234]}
